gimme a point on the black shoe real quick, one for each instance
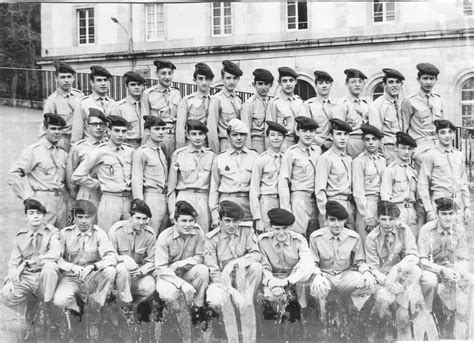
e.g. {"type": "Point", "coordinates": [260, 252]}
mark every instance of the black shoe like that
{"type": "Point", "coordinates": [294, 310]}
{"type": "Point", "coordinates": [197, 315]}
{"type": "Point", "coordinates": [144, 311]}
{"type": "Point", "coordinates": [158, 310]}
{"type": "Point", "coordinates": [269, 312]}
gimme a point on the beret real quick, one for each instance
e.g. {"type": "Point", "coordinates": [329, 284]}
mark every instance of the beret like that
{"type": "Point", "coordinates": [230, 209]}
{"type": "Point", "coordinates": [445, 204]}
{"type": "Point", "coordinates": [405, 139]}
{"type": "Point", "coordinates": [100, 71]}
{"type": "Point", "coordinates": [351, 73]}
{"type": "Point", "coordinates": [151, 121]}
{"type": "Point", "coordinates": [160, 64]}
{"type": "Point", "coordinates": [139, 206]}
{"type": "Point", "coordinates": [194, 124]}
{"type": "Point", "coordinates": [62, 67]}
{"type": "Point", "coordinates": [53, 119]}
{"type": "Point", "coordinates": [393, 73]}
{"type": "Point", "coordinates": [370, 129]}
{"type": "Point", "coordinates": [231, 68]}
{"type": "Point", "coordinates": [287, 71]}
{"type": "Point", "coordinates": [203, 69]}
{"type": "Point", "coordinates": [335, 209]}
{"type": "Point", "coordinates": [387, 208]}
{"type": "Point", "coordinates": [238, 125]}
{"type": "Point", "coordinates": [263, 75]}
{"type": "Point", "coordinates": [32, 204]}
{"type": "Point", "coordinates": [185, 208]}
{"type": "Point", "coordinates": [279, 216]}
{"type": "Point", "coordinates": [340, 125]}
{"type": "Point", "coordinates": [274, 126]}
{"type": "Point", "coordinates": [131, 76]}
{"type": "Point", "coordinates": [444, 124]}
{"type": "Point", "coordinates": [94, 112]}
{"type": "Point", "coordinates": [84, 207]}
{"type": "Point", "coordinates": [320, 75]}
{"type": "Point", "coordinates": [117, 121]}
{"type": "Point", "coordinates": [306, 123]}
{"type": "Point", "coordinates": [427, 68]}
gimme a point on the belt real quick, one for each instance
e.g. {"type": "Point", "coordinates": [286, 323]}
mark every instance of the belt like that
{"type": "Point", "coordinates": [155, 190]}
{"type": "Point", "coordinates": [373, 196]}
{"type": "Point", "coordinates": [124, 194]}
{"type": "Point", "coordinates": [236, 194]}
{"type": "Point", "coordinates": [55, 192]}
{"type": "Point", "coordinates": [306, 193]}
{"type": "Point", "coordinates": [341, 197]}
{"type": "Point", "coordinates": [406, 204]}
{"type": "Point", "coordinates": [275, 196]}
{"type": "Point", "coordinates": [193, 190]}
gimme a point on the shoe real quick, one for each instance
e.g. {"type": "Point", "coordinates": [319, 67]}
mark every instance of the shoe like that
{"type": "Point", "coordinates": [158, 310]}
{"type": "Point", "coordinates": [269, 312]}
{"type": "Point", "coordinates": [197, 315]}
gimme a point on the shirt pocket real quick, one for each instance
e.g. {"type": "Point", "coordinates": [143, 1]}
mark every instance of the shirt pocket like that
{"type": "Point", "coordinates": [258, 119]}
{"type": "Point", "coordinates": [370, 173]}
{"type": "Point", "coordinates": [91, 254]}
{"type": "Point", "coordinates": [300, 167]}
{"type": "Point", "coordinates": [188, 172]}
{"type": "Point", "coordinates": [269, 172]}
{"type": "Point", "coordinates": [247, 175]}
{"type": "Point", "coordinates": [140, 254]}
{"type": "Point", "coordinates": [48, 170]}
{"type": "Point", "coordinates": [111, 166]}
{"type": "Point", "coordinates": [400, 184]}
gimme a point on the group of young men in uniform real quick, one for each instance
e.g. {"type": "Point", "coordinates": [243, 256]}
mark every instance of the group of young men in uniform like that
{"type": "Point", "coordinates": [303, 198]}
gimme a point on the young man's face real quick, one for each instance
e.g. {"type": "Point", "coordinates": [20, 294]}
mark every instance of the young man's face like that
{"type": "Point", "coordinates": [280, 232]}
{"type": "Point", "coordinates": [196, 138]}
{"type": "Point", "coordinates": [139, 221]}
{"type": "Point", "coordinates": [203, 83]}
{"type": "Point", "coordinates": [96, 127]}
{"type": "Point", "coordinates": [156, 133]}
{"type": "Point", "coordinates": [135, 89]}
{"type": "Point", "coordinates": [306, 136]}
{"type": "Point", "coordinates": [446, 219]}
{"type": "Point", "coordinates": [185, 224]}
{"type": "Point", "coordinates": [354, 86]}
{"type": "Point", "coordinates": [34, 218]}
{"type": "Point", "coordinates": [446, 136]}
{"type": "Point", "coordinates": [165, 77]}
{"type": "Point", "coordinates": [340, 139]}
{"type": "Point", "coordinates": [392, 86]}
{"type": "Point", "coordinates": [335, 225]}
{"type": "Point", "coordinates": [229, 225]}
{"type": "Point", "coordinates": [262, 88]}
{"type": "Point", "coordinates": [275, 139]}
{"type": "Point", "coordinates": [371, 143]}
{"type": "Point", "coordinates": [117, 134]}
{"type": "Point", "coordinates": [65, 81]}
{"type": "Point", "coordinates": [83, 221]}
{"type": "Point", "coordinates": [100, 85]}
{"type": "Point", "coordinates": [323, 88]}
{"type": "Point", "coordinates": [230, 81]}
{"type": "Point", "coordinates": [53, 133]}
{"type": "Point", "coordinates": [287, 84]}
{"type": "Point", "coordinates": [427, 82]}
{"type": "Point", "coordinates": [404, 152]}
{"type": "Point", "coordinates": [237, 140]}
{"type": "Point", "coordinates": [387, 223]}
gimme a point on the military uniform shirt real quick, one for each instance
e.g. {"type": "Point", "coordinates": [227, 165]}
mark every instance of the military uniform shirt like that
{"type": "Point", "coordinates": [193, 106]}
{"type": "Point", "coordinates": [399, 182]}
{"type": "Point", "coordinates": [385, 115]}
{"type": "Point", "coordinates": [285, 109]}
{"type": "Point", "coordinates": [64, 104]}
{"type": "Point", "coordinates": [321, 110]}
{"type": "Point", "coordinates": [163, 103]}
{"type": "Point", "coordinates": [253, 114]}
{"type": "Point", "coordinates": [130, 109]}
{"type": "Point", "coordinates": [354, 111]}
{"type": "Point", "coordinates": [149, 170]}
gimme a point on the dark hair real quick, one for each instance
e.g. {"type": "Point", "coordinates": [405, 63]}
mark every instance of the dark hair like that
{"type": "Point", "coordinates": [420, 73]}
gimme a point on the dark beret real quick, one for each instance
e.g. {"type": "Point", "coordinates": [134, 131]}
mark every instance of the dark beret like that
{"type": "Point", "coordinates": [340, 125]}
{"type": "Point", "coordinates": [194, 124]}
{"type": "Point", "coordinates": [287, 71]}
{"type": "Point", "coordinates": [354, 73]}
{"type": "Point", "coordinates": [100, 71]}
{"type": "Point", "coordinates": [405, 139]}
{"type": "Point", "coordinates": [32, 204]}
{"type": "Point", "coordinates": [393, 74]}
{"type": "Point", "coordinates": [230, 209]}
{"type": "Point", "coordinates": [445, 204]}
{"type": "Point", "coordinates": [320, 75]}
{"type": "Point", "coordinates": [151, 121]}
{"type": "Point", "coordinates": [263, 75]}
{"type": "Point", "coordinates": [62, 67]}
{"type": "Point", "coordinates": [117, 121]}
{"type": "Point", "coordinates": [427, 68]}
{"type": "Point", "coordinates": [139, 206]}
{"type": "Point", "coordinates": [306, 123]}
{"type": "Point", "coordinates": [94, 112]}
{"type": "Point", "coordinates": [53, 119]}
{"type": "Point", "coordinates": [84, 207]}
{"type": "Point", "coordinates": [279, 216]}
{"type": "Point", "coordinates": [131, 76]}
{"type": "Point", "coordinates": [274, 126]}
{"type": "Point", "coordinates": [231, 68]}
{"type": "Point", "coordinates": [185, 208]}
{"type": "Point", "coordinates": [161, 64]}
{"type": "Point", "coordinates": [387, 208]}
{"type": "Point", "coordinates": [370, 129]}
{"type": "Point", "coordinates": [203, 69]}
{"type": "Point", "coordinates": [444, 124]}
{"type": "Point", "coordinates": [335, 209]}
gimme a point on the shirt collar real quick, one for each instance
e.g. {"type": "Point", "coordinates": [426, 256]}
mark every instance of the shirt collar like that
{"type": "Point", "coordinates": [285, 96]}
{"type": "Point", "coordinates": [442, 231]}
{"type": "Point", "coordinates": [176, 233]}
{"type": "Point", "coordinates": [338, 153]}
{"type": "Point", "coordinates": [96, 96]}
{"type": "Point", "coordinates": [78, 232]}
{"type": "Point", "coordinates": [445, 150]}
{"type": "Point", "coordinates": [63, 93]}
{"type": "Point", "coordinates": [227, 93]}
{"type": "Point", "coordinates": [424, 95]}
{"type": "Point", "coordinates": [389, 98]}
{"type": "Point", "coordinates": [114, 147]}
{"type": "Point", "coordinates": [131, 100]}
{"type": "Point", "coordinates": [192, 149]}
{"type": "Point", "coordinates": [130, 229]}
{"type": "Point", "coordinates": [236, 233]}
{"type": "Point", "coordinates": [161, 89]}
{"type": "Point", "coordinates": [233, 151]}
{"type": "Point", "coordinates": [286, 242]}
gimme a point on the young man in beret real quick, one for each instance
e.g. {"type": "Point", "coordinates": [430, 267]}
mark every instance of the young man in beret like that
{"type": "Point", "coordinates": [385, 114]}
{"type": "Point", "coordinates": [392, 257]}
{"type": "Point", "coordinates": [353, 110]}
{"type": "Point", "coordinates": [87, 264]}
{"type": "Point", "coordinates": [134, 243]}
{"type": "Point", "coordinates": [421, 109]}
{"type": "Point", "coordinates": [287, 105]}
{"type": "Point", "coordinates": [254, 110]}
{"type": "Point", "coordinates": [297, 175]}
{"type": "Point", "coordinates": [443, 174]}
{"type": "Point", "coordinates": [130, 108]}
{"type": "Point", "coordinates": [399, 182]}
{"type": "Point", "coordinates": [190, 174]}
{"type": "Point", "coordinates": [231, 173]}
{"type": "Point", "coordinates": [40, 172]}
{"type": "Point", "coordinates": [180, 272]}
{"type": "Point", "coordinates": [99, 80]}
{"type": "Point", "coordinates": [195, 106]}
{"type": "Point", "coordinates": [32, 270]}
{"type": "Point", "coordinates": [162, 101]}
{"type": "Point", "coordinates": [367, 171]}
{"type": "Point", "coordinates": [321, 108]}
{"type": "Point", "coordinates": [264, 193]}
{"type": "Point", "coordinates": [150, 173]}
{"type": "Point", "coordinates": [63, 100]}
{"type": "Point", "coordinates": [232, 248]}
{"type": "Point", "coordinates": [333, 179]}
{"type": "Point", "coordinates": [108, 168]}
{"type": "Point", "coordinates": [224, 106]}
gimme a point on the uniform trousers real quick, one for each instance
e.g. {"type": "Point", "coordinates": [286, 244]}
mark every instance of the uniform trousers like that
{"type": "Point", "coordinates": [371, 207]}
{"type": "Point", "coordinates": [197, 276]}
{"type": "Point", "coordinates": [303, 206]}
{"type": "Point", "coordinates": [258, 143]}
{"type": "Point", "coordinates": [240, 199]}
{"type": "Point", "coordinates": [408, 216]}
{"type": "Point", "coordinates": [267, 202]}
{"type": "Point", "coordinates": [158, 203]}
{"type": "Point", "coordinates": [424, 145]}
{"type": "Point", "coordinates": [55, 203]}
{"type": "Point", "coordinates": [136, 289]}
{"type": "Point", "coordinates": [112, 208]}
{"type": "Point", "coordinates": [96, 286]}
{"type": "Point", "coordinates": [200, 201]}
{"type": "Point", "coordinates": [347, 282]}
{"type": "Point", "coordinates": [355, 145]}
{"type": "Point", "coordinates": [169, 145]}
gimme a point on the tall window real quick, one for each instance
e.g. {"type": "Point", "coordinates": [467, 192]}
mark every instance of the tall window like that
{"type": "Point", "coordinates": [467, 103]}
{"type": "Point", "coordinates": [383, 11]}
{"type": "Point", "coordinates": [305, 89]}
{"type": "Point", "coordinates": [221, 18]}
{"type": "Point", "coordinates": [86, 26]}
{"type": "Point", "coordinates": [297, 15]}
{"type": "Point", "coordinates": [377, 91]}
{"type": "Point", "coordinates": [155, 22]}
{"type": "Point", "coordinates": [467, 7]}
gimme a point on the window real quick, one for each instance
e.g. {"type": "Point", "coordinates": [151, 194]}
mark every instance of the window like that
{"type": "Point", "coordinates": [467, 103]}
{"type": "Point", "coordinates": [221, 18]}
{"type": "Point", "coordinates": [383, 11]}
{"type": "Point", "coordinates": [377, 91]}
{"type": "Point", "coordinates": [305, 89]}
{"type": "Point", "coordinates": [155, 22]}
{"type": "Point", "coordinates": [86, 26]}
{"type": "Point", "coordinates": [467, 7]}
{"type": "Point", "coordinates": [297, 15]}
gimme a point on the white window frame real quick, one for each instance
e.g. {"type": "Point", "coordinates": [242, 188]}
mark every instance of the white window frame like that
{"type": "Point", "coordinates": [468, 8]}
{"type": "Point", "coordinates": [154, 28]}
{"type": "Point", "coordinates": [94, 26]}
{"type": "Point", "coordinates": [388, 14]}
{"type": "Point", "coordinates": [297, 23]}
{"type": "Point", "coordinates": [221, 6]}
{"type": "Point", "coordinates": [469, 103]}
{"type": "Point", "coordinates": [372, 93]}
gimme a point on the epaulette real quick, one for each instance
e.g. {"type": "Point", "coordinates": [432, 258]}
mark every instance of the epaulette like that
{"type": "Point", "coordinates": [117, 225]}
{"type": "Point", "coordinates": [292, 147]}
{"type": "Point", "coordinates": [150, 230]}
{"type": "Point", "coordinates": [223, 151]}
{"type": "Point", "coordinates": [318, 233]}
{"type": "Point", "coordinates": [352, 233]}
{"type": "Point", "coordinates": [179, 150]}
{"type": "Point", "coordinates": [51, 228]}
{"type": "Point", "coordinates": [297, 235]}
{"type": "Point", "coordinates": [142, 147]}
{"type": "Point", "coordinates": [76, 90]}
{"type": "Point", "coordinates": [265, 235]}
{"type": "Point", "coordinates": [22, 231]}
{"type": "Point", "coordinates": [413, 95]}
{"type": "Point", "coordinates": [189, 96]}
{"type": "Point", "coordinates": [37, 144]}
{"type": "Point", "coordinates": [85, 97]}
{"type": "Point", "coordinates": [310, 100]}
{"type": "Point", "coordinates": [214, 232]}
{"type": "Point", "coordinates": [123, 101]}
{"type": "Point", "coordinates": [68, 228]}
{"type": "Point", "coordinates": [102, 145]}
{"type": "Point", "coordinates": [127, 145]}
{"type": "Point", "coordinates": [436, 94]}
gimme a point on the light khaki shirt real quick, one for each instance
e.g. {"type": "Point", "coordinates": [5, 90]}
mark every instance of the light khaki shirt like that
{"type": "Point", "coordinates": [149, 170]}
{"type": "Point", "coordinates": [253, 114]}
{"type": "Point", "coordinates": [399, 183]}
{"type": "Point", "coordinates": [64, 104]}
{"type": "Point", "coordinates": [321, 110]}
{"type": "Point", "coordinates": [353, 111]}
{"type": "Point", "coordinates": [385, 115]}
{"type": "Point", "coordinates": [163, 103]}
{"type": "Point", "coordinates": [130, 109]}
{"type": "Point", "coordinates": [193, 106]}
{"type": "Point", "coordinates": [284, 110]}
